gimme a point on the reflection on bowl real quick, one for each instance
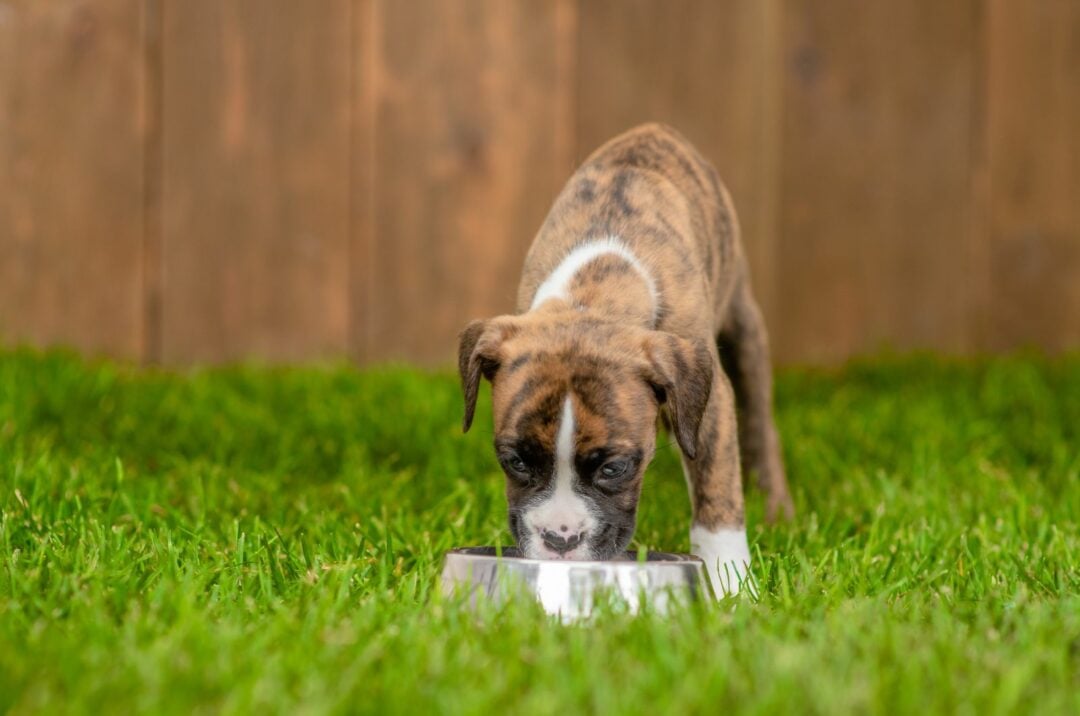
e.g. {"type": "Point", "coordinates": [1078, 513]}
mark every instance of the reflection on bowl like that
{"type": "Point", "coordinates": [570, 589]}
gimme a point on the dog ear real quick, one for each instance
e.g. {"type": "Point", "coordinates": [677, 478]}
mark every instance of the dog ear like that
{"type": "Point", "coordinates": [478, 356]}
{"type": "Point", "coordinates": [680, 371]}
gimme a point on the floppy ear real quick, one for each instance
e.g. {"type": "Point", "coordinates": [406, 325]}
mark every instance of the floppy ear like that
{"type": "Point", "coordinates": [478, 355]}
{"type": "Point", "coordinates": [681, 373]}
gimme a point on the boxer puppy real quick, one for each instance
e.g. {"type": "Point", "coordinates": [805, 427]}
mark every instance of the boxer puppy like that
{"type": "Point", "coordinates": [634, 304]}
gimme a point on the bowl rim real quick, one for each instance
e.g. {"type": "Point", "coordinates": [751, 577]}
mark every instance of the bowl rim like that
{"type": "Point", "coordinates": [668, 559]}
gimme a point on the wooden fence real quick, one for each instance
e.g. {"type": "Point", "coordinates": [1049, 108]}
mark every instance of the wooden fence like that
{"type": "Point", "coordinates": [206, 180]}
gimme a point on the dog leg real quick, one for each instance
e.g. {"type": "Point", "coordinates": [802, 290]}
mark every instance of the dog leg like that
{"type": "Point", "coordinates": [744, 352]}
{"type": "Point", "coordinates": [718, 530]}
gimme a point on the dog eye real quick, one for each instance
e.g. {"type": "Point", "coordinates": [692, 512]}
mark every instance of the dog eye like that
{"type": "Point", "coordinates": [514, 465]}
{"type": "Point", "coordinates": [615, 468]}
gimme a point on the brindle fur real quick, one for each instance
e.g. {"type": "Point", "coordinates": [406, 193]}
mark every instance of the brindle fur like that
{"type": "Point", "coordinates": [622, 359]}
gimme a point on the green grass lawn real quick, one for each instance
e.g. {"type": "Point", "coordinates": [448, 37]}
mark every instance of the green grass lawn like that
{"type": "Point", "coordinates": [269, 540]}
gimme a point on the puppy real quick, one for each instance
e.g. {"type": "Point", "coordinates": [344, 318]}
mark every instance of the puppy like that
{"type": "Point", "coordinates": [634, 305]}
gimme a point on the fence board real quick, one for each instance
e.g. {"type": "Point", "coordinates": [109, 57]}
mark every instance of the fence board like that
{"type": "Point", "coordinates": [364, 74]}
{"type": "Point", "coordinates": [470, 152]}
{"type": "Point", "coordinates": [1033, 151]}
{"type": "Point", "coordinates": [70, 174]}
{"type": "Point", "coordinates": [876, 224]}
{"type": "Point", "coordinates": [255, 189]}
{"type": "Point", "coordinates": [698, 65]}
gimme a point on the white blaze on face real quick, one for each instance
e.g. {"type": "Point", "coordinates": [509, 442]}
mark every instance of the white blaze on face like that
{"type": "Point", "coordinates": [563, 511]}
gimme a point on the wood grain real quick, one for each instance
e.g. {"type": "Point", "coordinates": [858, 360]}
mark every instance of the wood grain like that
{"type": "Point", "coordinates": [71, 162]}
{"type": "Point", "coordinates": [700, 66]}
{"type": "Point", "coordinates": [470, 152]}
{"type": "Point", "coordinates": [256, 170]}
{"type": "Point", "coordinates": [1032, 148]}
{"type": "Point", "coordinates": [876, 232]}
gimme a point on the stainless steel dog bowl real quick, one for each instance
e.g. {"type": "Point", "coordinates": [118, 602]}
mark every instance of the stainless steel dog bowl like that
{"type": "Point", "coordinates": [569, 588]}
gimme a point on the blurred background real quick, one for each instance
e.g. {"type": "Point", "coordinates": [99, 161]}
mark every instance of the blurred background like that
{"type": "Point", "coordinates": [188, 181]}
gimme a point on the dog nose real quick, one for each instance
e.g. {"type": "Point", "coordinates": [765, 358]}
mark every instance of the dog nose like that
{"type": "Point", "coordinates": [559, 543]}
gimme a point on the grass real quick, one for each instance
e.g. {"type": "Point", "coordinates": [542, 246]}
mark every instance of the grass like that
{"type": "Point", "coordinates": [268, 540]}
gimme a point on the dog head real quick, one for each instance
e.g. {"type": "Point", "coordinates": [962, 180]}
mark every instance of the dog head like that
{"type": "Point", "coordinates": [575, 402]}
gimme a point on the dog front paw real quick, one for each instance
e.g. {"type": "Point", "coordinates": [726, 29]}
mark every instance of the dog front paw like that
{"type": "Point", "coordinates": [726, 555]}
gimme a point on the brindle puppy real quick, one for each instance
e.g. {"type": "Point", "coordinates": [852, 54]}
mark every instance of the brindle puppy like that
{"type": "Point", "coordinates": [635, 292]}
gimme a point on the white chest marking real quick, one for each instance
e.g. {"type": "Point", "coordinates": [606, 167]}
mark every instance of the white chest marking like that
{"type": "Point", "coordinates": [564, 508]}
{"type": "Point", "coordinates": [557, 284]}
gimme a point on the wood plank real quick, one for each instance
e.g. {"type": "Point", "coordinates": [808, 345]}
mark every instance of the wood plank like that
{"type": "Point", "coordinates": [152, 178]}
{"type": "Point", "coordinates": [1033, 159]}
{"type": "Point", "coordinates": [362, 183]}
{"type": "Point", "coordinates": [876, 233]}
{"type": "Point", "coordinates": [700, 66]}
{"type": "Point", "coordinates": [71, 162]}
{"type": "Point", "coordinates": [256, 173]}
{"type": "Point", "coordinates": [471, 150]}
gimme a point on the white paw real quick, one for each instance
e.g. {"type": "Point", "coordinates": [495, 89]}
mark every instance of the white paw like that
{"type": "Point", "coordinates": [726, 555]}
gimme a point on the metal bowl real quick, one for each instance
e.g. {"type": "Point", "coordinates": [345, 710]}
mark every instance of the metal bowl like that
{"type": "Point", "coordinates": [569, 588]}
